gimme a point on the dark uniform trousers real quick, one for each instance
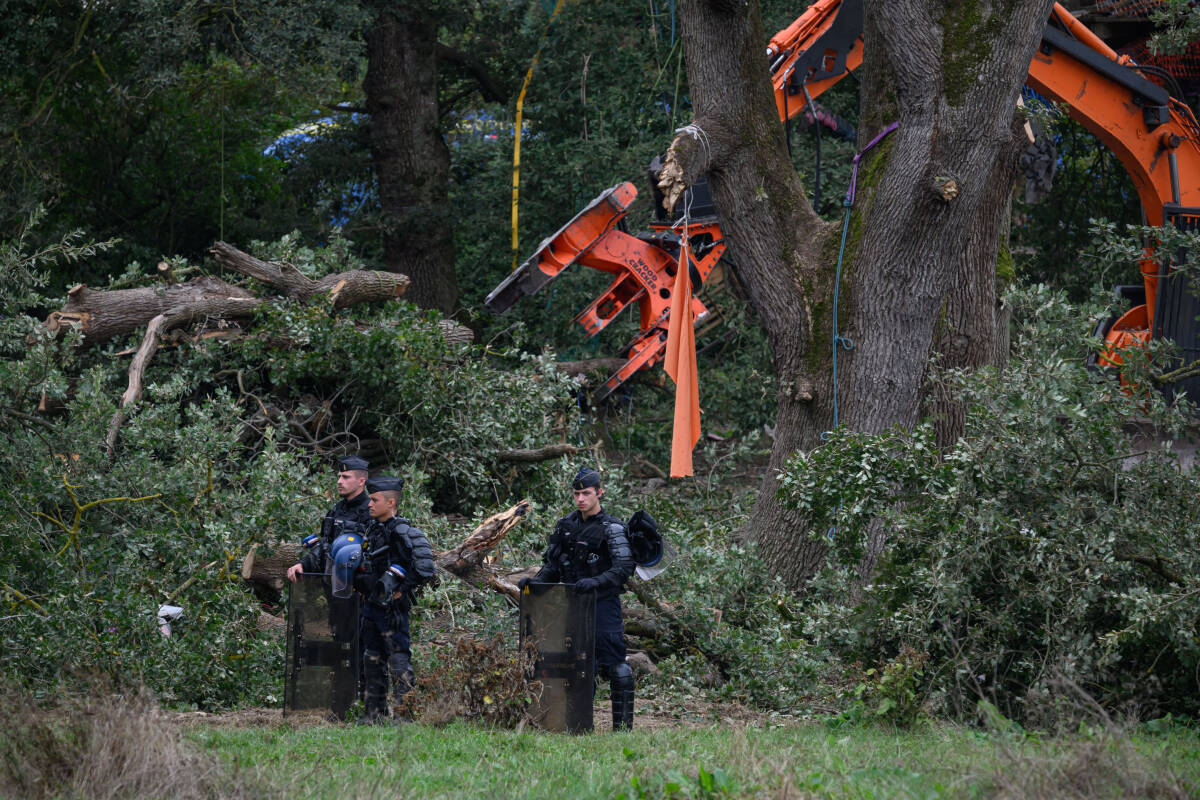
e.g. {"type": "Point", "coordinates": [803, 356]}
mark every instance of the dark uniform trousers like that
{"type": "Point", "coordinates": [385, 629]}
{"type": "Point", "coordinates": [598, 548]}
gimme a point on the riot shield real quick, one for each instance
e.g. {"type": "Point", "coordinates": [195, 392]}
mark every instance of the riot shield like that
{"type": "Point", "coordinates": [322, 649]}
{"type": "Point", "coordinates": [561, 625]}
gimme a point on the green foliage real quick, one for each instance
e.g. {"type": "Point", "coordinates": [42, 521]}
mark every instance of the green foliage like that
{"type": "Point", "coordinates": [1121, 247]}
{"type": "Point", "coordinates": [148, 120]}
{"type": "Point", "coordinates": [890, 694]}
{"type": "Point", "coordinates": [1178, 26]}
{"type": "Point", "coordinates": [676, 785]}
{"type": "Point", "coordinates": [1048, 547]}
{"type": "Point", "coordinates": [208, 465]}
{"type": "Point", "coordinates": [746, 642]}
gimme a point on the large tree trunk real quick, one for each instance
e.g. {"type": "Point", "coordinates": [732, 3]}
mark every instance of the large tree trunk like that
{"type": "Point", "coordinates": [412, 163]}
{"type": "Point", "coordinates": [919, 265]}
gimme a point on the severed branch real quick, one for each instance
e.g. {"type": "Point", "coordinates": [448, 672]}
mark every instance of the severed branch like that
{"type": "Point", "coordinates": [1177, 375]}
{"type": "Point", "coordinates": [346, 288]}
{"type": "Point", "coordinates": [1163, 567]}
{"type": "Point", "coordinates": [181, 315]}
{"type": "Point", "coordinates": [535, 455]}
{"type": "Point", "coordinates": [467, 561]}
{"type": "Point", "coordinates": [576, 368]}
{"type": "Point", "coordinates": [102, 315]}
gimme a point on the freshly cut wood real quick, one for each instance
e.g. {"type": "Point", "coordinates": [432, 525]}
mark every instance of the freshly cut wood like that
{"type": "Point", "coordinates": [269, 623]}
{"type": "Point", "coordinates": [466, 561]}
{"type": "Point", "coordinates": [101, 315]}
{"type": "Point", "coordinates": [270, 570]}
{"type": "Point", "coordinates": [347, 288]}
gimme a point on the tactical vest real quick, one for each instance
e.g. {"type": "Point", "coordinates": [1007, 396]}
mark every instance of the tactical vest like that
{"type": "Point", "coordinates": [580, 547]}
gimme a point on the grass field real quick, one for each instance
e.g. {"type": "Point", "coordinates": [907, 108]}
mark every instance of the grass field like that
{"type": "Point", "coordinates": [794, 761]}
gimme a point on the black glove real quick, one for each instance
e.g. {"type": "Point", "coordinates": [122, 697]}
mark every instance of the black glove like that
{"type": "Point", "coordinates": [364, 583]}
{"type": "Point", "coordinates": [587, 585]}
{"type": "Point", "coordinates": [521, 584]}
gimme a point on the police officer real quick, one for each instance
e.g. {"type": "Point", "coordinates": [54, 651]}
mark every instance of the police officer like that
{"type": "Point", "coordinates": [349, 515]}
{"type": "Point", "coordinates": [590, 550]}
{"type": "Point", "coordinates": [397, 560]}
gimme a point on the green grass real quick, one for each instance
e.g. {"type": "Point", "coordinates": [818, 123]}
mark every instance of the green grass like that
{"type": "Point", "coordinates": [464, 761]}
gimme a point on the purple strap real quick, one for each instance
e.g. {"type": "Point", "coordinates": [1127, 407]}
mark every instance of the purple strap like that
{"type": "Point", "coordinates": [854, 173]}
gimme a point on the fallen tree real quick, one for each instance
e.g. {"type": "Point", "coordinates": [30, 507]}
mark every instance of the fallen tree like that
{"type": "Point", "coordinates": [101, 315]}
{"type": "Point", "coordinates": [468, 561]}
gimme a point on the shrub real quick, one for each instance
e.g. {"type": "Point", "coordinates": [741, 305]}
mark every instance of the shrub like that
{"type": "Point", "coordinates": [210, 462]}
{"type": "Point", "coordinates": [1048, 543]}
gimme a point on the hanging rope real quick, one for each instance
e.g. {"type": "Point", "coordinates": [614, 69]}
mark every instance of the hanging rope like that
{"type": "Point", "coordinates": [516, 182]}
{"type": "Point", "coordinates": [839, 341]}
{"type": "Point", "coordinates": [845, 342]}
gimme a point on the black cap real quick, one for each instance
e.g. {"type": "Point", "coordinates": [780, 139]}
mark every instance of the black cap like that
{"type": "Point", "coordinates": [384, 483]}
{"type": "Point", "coordinates": [585, 477]}
{"type": "Point", "coordinates": [352, 462]}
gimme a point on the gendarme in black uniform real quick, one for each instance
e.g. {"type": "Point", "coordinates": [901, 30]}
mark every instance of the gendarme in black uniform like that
{"type": "Point", "coordinates": [397, 560]}
{"type": "Point", "coordinates": [346, 516]}
{"type": "Point", "coordinates": [593, 554]}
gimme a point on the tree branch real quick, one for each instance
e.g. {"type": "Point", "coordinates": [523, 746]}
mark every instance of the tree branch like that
{"type": "Point", "coordinates": [1155, 563]}
{"type": "Point", "coordinates": [539, 454]}
{"type": "Point", "coordinates": [1178, 375]}
{"type": "Point", "coordinates": [491, 89]}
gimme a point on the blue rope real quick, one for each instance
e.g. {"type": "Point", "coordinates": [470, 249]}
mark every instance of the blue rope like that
{"type": "Point", "coordinates": [839, 340]}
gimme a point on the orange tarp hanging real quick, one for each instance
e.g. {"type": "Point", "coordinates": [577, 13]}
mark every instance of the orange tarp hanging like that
{"type": "Point", "coordinates": [680, 364]}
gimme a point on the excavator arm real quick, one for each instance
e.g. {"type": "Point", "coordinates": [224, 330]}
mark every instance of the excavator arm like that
{"type": "Point", "coordinates": [1155, 137]}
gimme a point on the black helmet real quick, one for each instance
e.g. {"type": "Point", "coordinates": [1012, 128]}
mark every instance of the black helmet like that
{"type": "Point", "coordinates": [644, 539]}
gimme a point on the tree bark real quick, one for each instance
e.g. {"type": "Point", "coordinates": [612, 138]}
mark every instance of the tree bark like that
{"type": "Point", "coordinates": [270, 570]}
{"type": "Point", "coordinates": [412, 163]}
{"type": "Point", "coordinates": [921, 250]}
{"type": "Point", "coordinates": [101, 315]}
{"type": "Point", "coordinates": [531, 456]}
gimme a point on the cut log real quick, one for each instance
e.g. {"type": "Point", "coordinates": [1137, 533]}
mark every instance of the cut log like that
{"type": "Point", "coordinates": [269, 623]}
{"type": "Point", "coordinates": [270, 570]}
{"type": "Point", "coordinates": [539, 454]}
{"type": "Point", "coordinates": [346, 288]}
{"type": "Point", "coordinates": [101, 315]}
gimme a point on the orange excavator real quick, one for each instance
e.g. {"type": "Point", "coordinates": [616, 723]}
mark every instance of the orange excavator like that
{"type": "Point", "coordinates": [1154, 135]}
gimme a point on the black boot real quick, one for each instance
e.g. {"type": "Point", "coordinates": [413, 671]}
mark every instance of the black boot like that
{"type": "Point", "coordinates": [376, 688]}
{"type": "Point", "coordinates": [620, 683]}
{"type": "Point", "coordinates": [402, 677]}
